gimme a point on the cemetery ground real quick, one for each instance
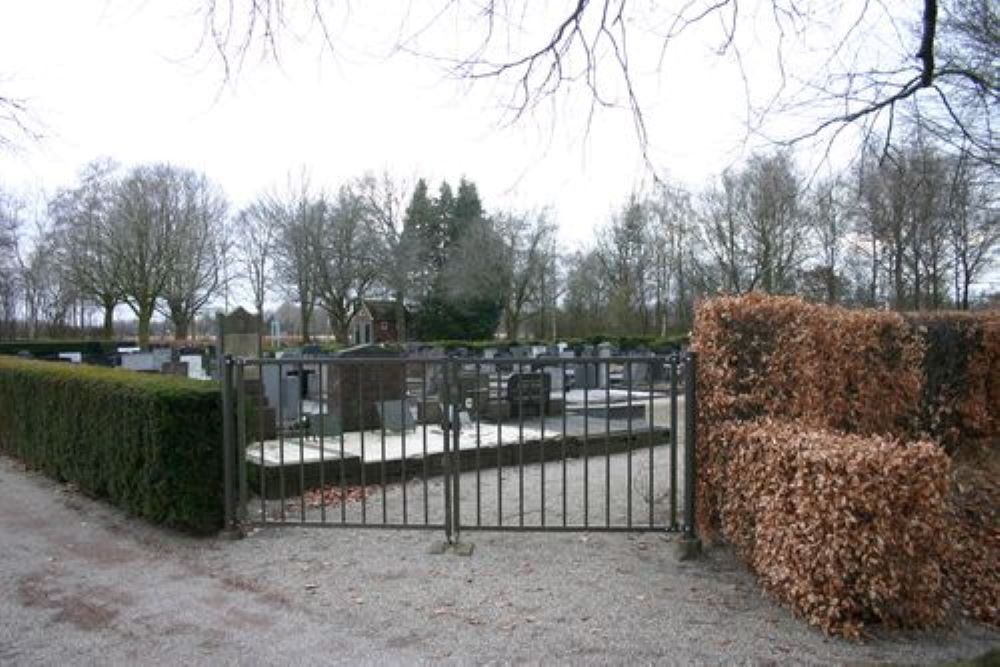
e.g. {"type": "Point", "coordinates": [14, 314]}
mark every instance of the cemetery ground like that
{"type": "Point", "coordinates": [83, 583]}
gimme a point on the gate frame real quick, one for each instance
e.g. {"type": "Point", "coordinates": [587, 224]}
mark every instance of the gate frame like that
{"type": "Point", "coordinates": [235, 483]}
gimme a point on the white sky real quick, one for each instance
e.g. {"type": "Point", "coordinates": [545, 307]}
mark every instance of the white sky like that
{"type": "Point", "coordinates": [118, 79]}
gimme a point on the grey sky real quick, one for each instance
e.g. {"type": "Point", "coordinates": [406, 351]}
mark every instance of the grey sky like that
{"type": "Point", "coordinates": [125, 80]}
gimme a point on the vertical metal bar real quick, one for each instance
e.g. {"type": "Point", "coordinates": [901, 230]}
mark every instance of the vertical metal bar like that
{"type": "Point", "coordinates": [673, 442]}
{"type": "Point", "coordinates": [607, 442]}
{"type": "Point", "coordinates": [423, 398]}
{"type": "Point", "coordinates": [341, 375]}
{"type": "Point", "coordinates": [262, 469]}
{"type": "Point", "coordinates": [543, 399]}
{"type": "Point", "coordinates": [690, 398]}
{"type": "Point", "coordinates": [322, 449]}
{"type": "Point", "coordinates": [381, 400]}
{"type": "Point", "coordinates": [281, 438]}
{"type": "Point", "coordinates": [479, 492]}
{"type": "Point", "coordinates": [500, 419]}
{"type": "Point", "coordinates": [364, 462]}
{"type": "Point", "coordinates": [649, 378]}
{"type": "Point", "coordinates": [241, 441]}
{"type": "Point", "coordinates": [448, 425]}
{"type": "Point", "coordinates": [403, 407]}
{"type": "Point", "coordinates": [520, 444]}
{"type": "Point", "coordinates": [302, 445]}
{"type": "Point", "coordinates": [562, 372]}
{"type": "Point", "coordinates": [586, 443]}
{"type": "Point", "coordinates": [628, 442]}
{"type": "Point", "coordinates": [456, 454]}
{"type": "Point", "coordinates": [228, 446]}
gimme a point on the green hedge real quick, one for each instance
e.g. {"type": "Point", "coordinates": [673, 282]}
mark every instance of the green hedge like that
{"type": "Point", "coordinates": [150, 444]}
{"type": "Point", "coordinates": [655, 343]}
{"type": "Point", "coordinates": [50, 348]}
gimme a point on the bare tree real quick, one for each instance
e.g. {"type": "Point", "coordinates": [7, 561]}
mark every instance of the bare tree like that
{"type": "Point", "coordinates": [10, 226]}
{"type": "Point", "coordinates": [526, 251]}
{"type": "Point", "coordinates": [346, 254]}
{"type": "Point", "coordinates": [194, 277]}
{"type": "Point", "coordinates": [673, 247]}
{"type": "Point", "coordinates": [256, 236]}
{"type": "Point", "coordinates": [850, 65]}
{"type": "Point", "coordinates": [973, 226]}
{"type": "Point", "coordinates": [83, 219]}
{"type": "Point", "coordinates": [624, 249]}
{"type": "Point", "coordinates": [385, 201]}
{"type": "Point", "coordinates": [754, 227]}
{"type": "Point", "coordinates": [298, 214]}
{"type": "Point", "coordinates": [160, 216]}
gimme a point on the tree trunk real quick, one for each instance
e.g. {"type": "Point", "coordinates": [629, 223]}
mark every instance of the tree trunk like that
{"type": "Point", "coordinates": [305, 314]}
{"type": "Point", "coordinates": [145, 315]}
{"type": "Point", "coordinates": [400, 317]}
{"type": "Point", "coordinates": [180, 327]}
{"type": "Point", "coordinates": [108, 330]}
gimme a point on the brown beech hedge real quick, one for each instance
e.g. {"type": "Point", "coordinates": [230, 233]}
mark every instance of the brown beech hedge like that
{"type": "Point", "coordinates": [846, 529]}
{"type": "Point", "coordinates": [824, 436]}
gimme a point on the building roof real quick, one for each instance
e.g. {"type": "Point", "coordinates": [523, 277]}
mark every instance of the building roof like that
{"type": "Point", "coordinates": [381, 309]}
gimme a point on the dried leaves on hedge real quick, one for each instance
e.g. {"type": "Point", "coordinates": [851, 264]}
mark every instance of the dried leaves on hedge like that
{"type": "Point", "coordinates": [815, 511]}
{"type": "Point", "coordinates": [845, 529]}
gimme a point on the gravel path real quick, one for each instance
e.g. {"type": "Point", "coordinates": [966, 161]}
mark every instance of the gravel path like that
{"type": "Point", "coordinates": [80, 583]}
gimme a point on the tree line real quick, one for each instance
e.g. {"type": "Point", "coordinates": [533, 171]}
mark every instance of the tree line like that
{"type": "Point", "coordinates": [909, 228]}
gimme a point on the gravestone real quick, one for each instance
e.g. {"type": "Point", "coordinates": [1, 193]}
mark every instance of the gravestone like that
{"type": "Point", "coordinates": [528, 394]}
{"type": "Point", "coordinates": [504, 366]}
{"type": "Point", "coordinates": [142, 362]}
{"type": "Point", "coordinates": [555, 374]}
{"type": "Point", "coordinates": [637, 371]}
{"type": "Point", "coordinates": [324, 425]}
{"type": "Point", "coordinates": [279, 384]}
{"type": "Point", "coordinates": [178, 368]}
{"type": "Point", "coordinates": [397, 415]}
{"type": "Point", "coordinates": [196, 368]}
{"type": "Point", "coordinates": [239, 335]}
{"type": "Point", "coordinates": [585, 374]}
{"type": "Point", "coordinates": [604, 350]}
{"type": "Point", "coordinates": [355, 389]}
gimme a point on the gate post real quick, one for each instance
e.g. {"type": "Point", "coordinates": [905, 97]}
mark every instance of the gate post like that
{"type": "Point", "coordinates": [690, 546]}
{"type": "Point", "coordinates": [228, 445]}
{"type": "Point", "coordinates": [446, 458]}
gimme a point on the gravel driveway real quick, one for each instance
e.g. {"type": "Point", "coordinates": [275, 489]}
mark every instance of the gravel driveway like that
{"type": "Point", "coordinates": [81, 583]}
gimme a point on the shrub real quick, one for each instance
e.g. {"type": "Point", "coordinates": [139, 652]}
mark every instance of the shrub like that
{"type": "Point", "coordinates": [961, 370]}
{"type": "Point", "coordinates": [801, 404]}
{"type": "Point", "coordinates": [151, 444]}
{"type": "Point", "coordinates": [780, 357]}
{"type": "Point", "coordinates": [845, 529]}
{"type": "Point", "coordinates": [50, 348]}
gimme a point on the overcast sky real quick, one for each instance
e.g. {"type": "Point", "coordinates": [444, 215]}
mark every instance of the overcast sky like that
{"type": "Point", "coordinates": [126, 80]}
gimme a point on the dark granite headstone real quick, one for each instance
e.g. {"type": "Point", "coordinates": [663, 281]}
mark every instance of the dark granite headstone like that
{"type": "Point", "coordinates": [355, 389]}
{"type": "Point", "coordinates": [528, 392]}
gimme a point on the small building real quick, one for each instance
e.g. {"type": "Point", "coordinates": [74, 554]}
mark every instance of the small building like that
{"type": "Point", "coordinates": [375, 323]}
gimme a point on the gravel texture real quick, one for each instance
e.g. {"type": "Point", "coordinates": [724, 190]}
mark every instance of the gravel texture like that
{"type": "Point", "coordinates": [81, 583]}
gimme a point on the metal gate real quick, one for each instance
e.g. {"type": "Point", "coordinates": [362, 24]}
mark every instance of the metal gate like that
{"type": "Point", "coordinates": [458, 444]}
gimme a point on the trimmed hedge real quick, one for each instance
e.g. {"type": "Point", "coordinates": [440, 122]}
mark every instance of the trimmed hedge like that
{"type": "Point", "coordinates": [151, 444]}
{"type": "Point", "coordinates": [50, 348]}
{"type": "Point", "coordinates": [655, 343]}
{"type": "Point", "coordinates": [961, 369]}
{"type": "Point", "coordinates": [825, 379]}
{"type": "Point", "coordinates": [844, 529]}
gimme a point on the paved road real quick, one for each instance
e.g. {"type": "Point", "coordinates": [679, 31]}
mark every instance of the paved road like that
{"type": "Point", "coordinates": [80, 583]}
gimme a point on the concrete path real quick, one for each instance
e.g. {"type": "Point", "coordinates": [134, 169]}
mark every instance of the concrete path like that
{"type": "Point", "coordinates": [81, 584]}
